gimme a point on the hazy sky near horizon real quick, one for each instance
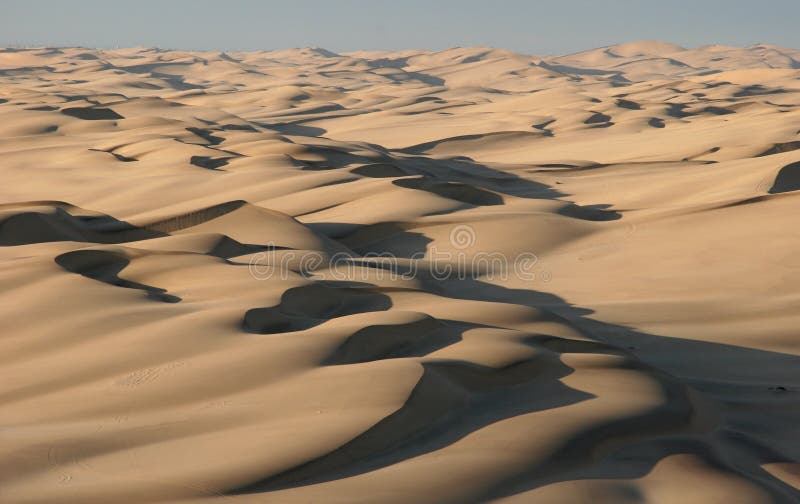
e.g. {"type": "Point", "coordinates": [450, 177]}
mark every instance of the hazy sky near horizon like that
{"type": "Point", "coordinates": [533, 27]}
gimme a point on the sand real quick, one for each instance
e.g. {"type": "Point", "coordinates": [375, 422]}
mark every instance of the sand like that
{"type": "Point", "coordinates": [424, 276]}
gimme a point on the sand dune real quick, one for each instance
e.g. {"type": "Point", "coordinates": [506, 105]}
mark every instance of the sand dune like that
{"type": "Point", "coordinates": [466, 275]}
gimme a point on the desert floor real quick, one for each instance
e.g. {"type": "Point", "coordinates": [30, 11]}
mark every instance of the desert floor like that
{"type": "Point", "coordinates": [401, 277]}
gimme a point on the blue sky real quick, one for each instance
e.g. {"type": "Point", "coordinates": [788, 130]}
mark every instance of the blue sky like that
{"type": "Point", "coordinates": [534, 27]}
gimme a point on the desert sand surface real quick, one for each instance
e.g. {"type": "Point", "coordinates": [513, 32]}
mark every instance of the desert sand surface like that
{"type": "Point", "coordinates": [467, 275]}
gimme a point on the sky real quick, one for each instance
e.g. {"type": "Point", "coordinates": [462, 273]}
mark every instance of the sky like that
{"type": "Point", "coordinates": [531, 27]}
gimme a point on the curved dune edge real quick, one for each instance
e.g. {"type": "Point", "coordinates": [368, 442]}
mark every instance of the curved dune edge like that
{"type": "Point", "coordinates": [466, 275]}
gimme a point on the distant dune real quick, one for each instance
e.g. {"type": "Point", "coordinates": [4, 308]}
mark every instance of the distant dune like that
{"type": "Point", "coordinates": [466, 275]}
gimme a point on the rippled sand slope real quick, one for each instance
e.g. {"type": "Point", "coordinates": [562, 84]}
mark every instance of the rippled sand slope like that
{"type": "Point", "coordinates": [458, 276]}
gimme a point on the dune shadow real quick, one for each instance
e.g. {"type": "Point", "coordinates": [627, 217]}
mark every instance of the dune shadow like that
{"type": "Point", "coordinates": [406, 75]}
{"type": "Point", "coordinates": [91, 113]}
{"type": "Point", "coordinates": [458, 191]}
{"type": "Point", "coordinates": [596, 213]}
{"type": "Point", "coordinates": [453, 399]}
{"type": "Point", "coordinates": [396, 341]}
{"type": "Point", "coordinates": [379, 170]}
{"type": "Point", "coordinates": [386, 238]}
{"type": "Point", "coordinates": [543, 127]}
{"type": "Point", "coordinates": [628, 104]}
{"type": "Point", "coordinates": [208, 162]}
{"type": "Point", "coordinates": [780, 148]}
{"type": "Point", "coordinates": [598, 118]}
{"type": "Point", "coordinates": [788, 179]}
{"type": "Point", "coordinates": [612, 75]}
{"type": "Point", "coordinates": [735, 379]}
{"type": "Point", "coordinates": [295, 129]}
{"type": "Point", "coordinates": [757, 90]}
{"type": "Point", "coordinates": [301, 308]}
{"type": "Point", "coordinates": [467, 171]}
{"type": "Point", "coordinates": [29, 224]}
{"type": "Point", "coordinates": [206, 134]}
{"type": "Point", "coordinates": [462, 173]}
{"type": "Point", "coordinates": [105, 266]}
{"type": "Point", "coordinates": [118, 157]}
